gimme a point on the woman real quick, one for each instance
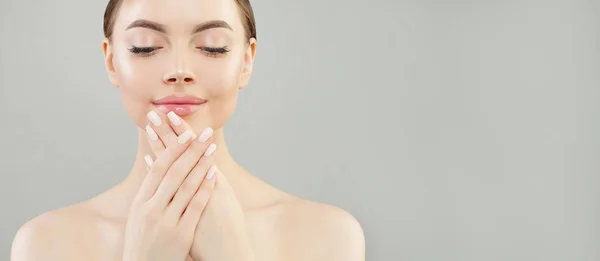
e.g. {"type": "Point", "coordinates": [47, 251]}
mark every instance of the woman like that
{"type": "Point", "coordinates": [179, 66]}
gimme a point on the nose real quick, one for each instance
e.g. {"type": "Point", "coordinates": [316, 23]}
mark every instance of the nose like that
{"type": "Point", "coordinates": [181, 73]}
{"type": "Point", "coordinates": [180, 77]}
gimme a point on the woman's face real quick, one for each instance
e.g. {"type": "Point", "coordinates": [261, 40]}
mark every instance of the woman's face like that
{"type": "Point", "coordinates": [162, 48]}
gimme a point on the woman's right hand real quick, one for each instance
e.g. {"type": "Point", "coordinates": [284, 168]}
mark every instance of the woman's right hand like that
{"type": "Point", "coordinates": [166, 210]}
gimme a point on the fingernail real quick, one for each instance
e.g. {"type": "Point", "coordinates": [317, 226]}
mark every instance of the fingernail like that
{"type": "Point", "coordinates": [184, 137]}
{"type": "Point", "coordinates": [151, 133]}
{"type": "Point", "coordinates": [174, 118]}
{"type": "Point", "coordinates": [211, 172]}
{"type": "Point", "coordinates": [205, 134]}
{"type": "Point", "coordinates": [210, 150]}
{"type": "Point", "coordinates": [149, 161]}
{"type": "Point", "coordinates": [154, 118]}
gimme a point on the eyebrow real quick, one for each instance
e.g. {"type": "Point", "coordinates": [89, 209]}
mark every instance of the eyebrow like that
{"type": "Point", "coordinates": [163, 29]}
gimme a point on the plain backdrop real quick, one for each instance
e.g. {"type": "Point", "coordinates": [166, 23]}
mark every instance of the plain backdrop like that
{"type": "Point", "coordinates": [452, 130]}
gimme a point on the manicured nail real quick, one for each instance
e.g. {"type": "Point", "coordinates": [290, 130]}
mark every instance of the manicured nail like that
{"type": "Point", "coordinates": [205, 134]}
{"type": "Point", "coordinates": [211, 172]}
{"type": "Point", "coordinates": [184, 137]}
{"type": "Point", "coordinates": [154, 118]}
{"type": "Point", "coordinates": [151, 133]}
{"type": "Point", "coordinates": [174, 118]}
{"type": "Point", "coordinates": [149, 161]}
{"type": "Point", "coordinates": [210, 150]}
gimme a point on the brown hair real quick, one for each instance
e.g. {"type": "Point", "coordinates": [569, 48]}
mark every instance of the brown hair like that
{"type": "Point", "coordinates": [112, 10]}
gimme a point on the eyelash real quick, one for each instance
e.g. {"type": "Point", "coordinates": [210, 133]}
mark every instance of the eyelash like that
{"type": "Point", "coordinates": [148, 51]}
{"type": "Point", "coordinates": [214, 51]}
{"type": "Point", "coordinates": [142, 51]}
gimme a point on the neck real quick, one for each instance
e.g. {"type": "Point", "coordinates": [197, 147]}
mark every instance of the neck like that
{"type": "Point", "coordinates": [125, 191]}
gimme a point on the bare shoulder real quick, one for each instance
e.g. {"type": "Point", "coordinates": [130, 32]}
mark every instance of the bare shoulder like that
{"type": "Point", "coordinates": [49, 235]}
{"type": "Point", "coordinates": [322, 232]}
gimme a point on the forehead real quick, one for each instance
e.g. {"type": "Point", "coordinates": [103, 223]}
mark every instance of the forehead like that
{"type": "Point", "coordinates": [179, 13]}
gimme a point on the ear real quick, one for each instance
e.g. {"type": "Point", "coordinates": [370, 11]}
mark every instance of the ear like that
{"type": "Point", "coordinates": [107, 49]}
{"type": "Point", "coordinates": [249, 55]}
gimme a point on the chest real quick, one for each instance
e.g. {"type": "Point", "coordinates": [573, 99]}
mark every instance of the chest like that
{"type": "Point", "coordinates": [104, 241]}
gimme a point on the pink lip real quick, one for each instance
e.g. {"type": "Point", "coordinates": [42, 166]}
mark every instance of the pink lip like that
{"type": "Point", "coordinates": [180, 105]}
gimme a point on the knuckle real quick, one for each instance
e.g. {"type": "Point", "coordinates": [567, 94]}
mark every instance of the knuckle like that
{"type": "Point", "coordinates": [171, 151]}
{"type": "Point", "coordinates": [150, 211]}
{"type": "Point", "coordinates": [156, 146]}
{"type": "Point", "coordinates": [181, 236]}
{"type": "Point", "coordinates": [193, 153]}
{"type": "Point", "coordinates": [171, 176]}
{"type": "Point", "coordinates": [146, 218]}
{"type": "Point", "coordinates": [149, 222]}
{"type": "Point", "coordinates": [183, 160]}
{"type": "Point", "coordinates": [180, 163]}
{"type": "Point", "coordinates": [153, 178]}
{"type": "Point", "coordinates": [188, 188]}
{"type": "Point", "coordinates": [168, 228]}
{"type": "Point", "coordinates": [173, 170]}
{"type": "Point", "coordinates": [153, 172]}
{"type": "Point", "coordinates": [156, 170]}
{"type": "Point", "coordinates": [160, 153]}
{"type": "Point", "coordinates": [199, 201]}
{"type": "Point", "coordinates": [152, 208]}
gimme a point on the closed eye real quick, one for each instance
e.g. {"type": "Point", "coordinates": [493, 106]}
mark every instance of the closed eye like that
{"type": "Point", "coordinates": [214, 51]}
{"type": "Point", "coordinates": [143, 50]}
{"type": "Point", "coordinates": [146, 51]}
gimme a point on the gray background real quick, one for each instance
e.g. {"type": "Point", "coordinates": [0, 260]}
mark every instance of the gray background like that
{"type": "Point", "coordinates": [452, 130]}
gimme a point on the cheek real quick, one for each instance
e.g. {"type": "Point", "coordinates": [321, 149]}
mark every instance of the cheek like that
{"type": "Point", "coordinates": [220, 78]}
{"type": "Point", "coordinates": [137, 80]}
{"type": "Point", "coordinates": [220, 84]}
{"type": "Point", "coordinates": [217, 80]}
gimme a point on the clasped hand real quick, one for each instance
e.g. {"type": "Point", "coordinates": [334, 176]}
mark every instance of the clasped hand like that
{"type": "Point", "coordinates": [185, 207]}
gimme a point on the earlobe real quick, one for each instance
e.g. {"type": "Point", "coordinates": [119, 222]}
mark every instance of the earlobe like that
{"type": "Point", "coordinates": [249, 56]}
{"type": "Point", "coordinates": [108, 62]}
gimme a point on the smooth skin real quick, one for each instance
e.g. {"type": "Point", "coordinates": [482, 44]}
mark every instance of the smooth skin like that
{"type": "Point", "coordinates": [243, 218]}
{"type": "Point", "coordinates": [221, 233]}
{"type": "Point", "coordinates": [166, 210]}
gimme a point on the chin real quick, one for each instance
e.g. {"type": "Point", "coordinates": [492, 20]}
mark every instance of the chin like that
{"type": "Point", "coordinates": [202, 119]}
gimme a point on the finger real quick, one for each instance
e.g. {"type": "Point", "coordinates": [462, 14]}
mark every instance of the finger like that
{"type": "Point", "coordinates": [159, 167]}
{"type": "Point", "coordinates": [156, 144]}
{"type": "Point", "coordinates": [195, 208]}
{"type": "Point", "coordinates": [177, 123]}
{"type": "Point", "coordinates": [191, 184]}
{"type": "Point", "coordinates": [162, 128]}
{"type": "Point", "coordinates": [179, 170]}
{"type": "Point", "coordinates": [149, 162]}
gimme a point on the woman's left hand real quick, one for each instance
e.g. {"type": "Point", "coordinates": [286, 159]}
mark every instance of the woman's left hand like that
{"type": "Point", "coordinates": [221, 233]}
